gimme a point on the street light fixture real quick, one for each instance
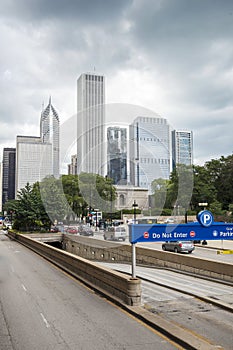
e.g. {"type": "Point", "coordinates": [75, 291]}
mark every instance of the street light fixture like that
{"type": "Point", "coordinates": [204, 205]}
{"type": "Point", "coordinates": [135, 205]}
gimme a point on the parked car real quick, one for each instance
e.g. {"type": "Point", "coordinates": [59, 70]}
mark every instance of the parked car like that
{"type": "Point", "coordinates": [85, 230]}
{"type": "Point", "coordinates": [169, 221]}
{"type": "Point", "coordinates": [7, 226]}
{"type": "Point", "coordinates": [71, 230]}
{"type": "Point", "coordinates": [54, 229]}
{"type": "Point", "coordinates": [115, 233]}
{"type": "Point", "coordinates": [179, 246]}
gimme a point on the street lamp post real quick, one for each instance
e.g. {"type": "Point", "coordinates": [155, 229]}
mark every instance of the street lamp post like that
{"type": "Point", "coordinates": [96, 219]}
{"type": "Point", "coordinates": [135, 205]}
{"type": "Point", "coordinates": [204, 205]}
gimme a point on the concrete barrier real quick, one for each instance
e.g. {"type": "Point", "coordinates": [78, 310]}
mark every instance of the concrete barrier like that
{"type": "Point", "coordinates": [94, 249]}
{"type": "Point", "coordinates": [111, 283]}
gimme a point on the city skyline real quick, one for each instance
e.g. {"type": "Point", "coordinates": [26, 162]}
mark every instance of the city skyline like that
{"type": "Point", "coordinates": [169, 57]}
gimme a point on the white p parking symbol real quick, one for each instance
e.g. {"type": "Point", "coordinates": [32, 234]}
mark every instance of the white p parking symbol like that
{"type": "Point", "coordinates": [205, 218]}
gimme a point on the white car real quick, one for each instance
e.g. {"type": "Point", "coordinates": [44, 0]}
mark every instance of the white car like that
{"type": "Point", "coordinates": [169, 221]}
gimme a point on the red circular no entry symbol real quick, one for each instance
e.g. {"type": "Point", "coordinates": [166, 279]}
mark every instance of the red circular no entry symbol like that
{"type": "Point", "coordinates": [192, 234]}
{"type": "Point", "coordinates": [146, 234]}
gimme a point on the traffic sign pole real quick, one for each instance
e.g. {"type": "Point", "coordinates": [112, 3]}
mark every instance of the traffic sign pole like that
{"type": "Point", "coordinates": [133, 260]}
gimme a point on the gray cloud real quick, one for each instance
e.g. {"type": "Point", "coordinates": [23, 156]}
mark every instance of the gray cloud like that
{"type": "Point", "coordinates": [88, 11]}
{"type": "Point", "coordinates": [174, 55]}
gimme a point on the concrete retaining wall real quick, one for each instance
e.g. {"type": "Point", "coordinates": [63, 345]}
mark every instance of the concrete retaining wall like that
{"type": "Point", "coordinates": [104, 280]}
{"type": "Point", "coordinates": [97, 250]}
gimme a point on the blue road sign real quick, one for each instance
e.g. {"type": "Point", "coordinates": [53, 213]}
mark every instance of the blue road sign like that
{"type": "Point", "coordinates": [177, 232]}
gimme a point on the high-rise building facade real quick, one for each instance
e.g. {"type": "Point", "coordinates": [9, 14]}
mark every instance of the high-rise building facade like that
{"type": "Point", "coordinates": [33, 160]}
{"type": "Point", "coordinates": [72, 167]}
{"type": "Point", "coordinates": [182, 147]}
{"type": "Point", "coordinates": [117, 155]}
{"type": "Point", "coordinates": [0, 187]}
{"type": "Point", "coordinates": [8, 174]}
{"type": "Point", "coordinates": [91, 149]}
{"type": "Point", "coordinates": [49, 133]}
{"type": "Point", "coordinates": [149, 150]}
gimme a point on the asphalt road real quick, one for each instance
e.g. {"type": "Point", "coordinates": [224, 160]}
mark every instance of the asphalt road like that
{"type": "Point", "coordinates": [199, 252]}
{"type": "Point", "coordinates": [42, 308]}
{"type": "Point", "coordinates": [205, 319]}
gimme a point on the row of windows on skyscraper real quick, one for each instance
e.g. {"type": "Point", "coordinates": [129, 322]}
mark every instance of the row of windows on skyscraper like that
{"type": "Point", "coordinates": [134, 155]}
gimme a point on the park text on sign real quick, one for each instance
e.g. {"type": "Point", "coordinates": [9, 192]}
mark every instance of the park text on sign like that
{"type": "Point", "coordinates": [204, 229]}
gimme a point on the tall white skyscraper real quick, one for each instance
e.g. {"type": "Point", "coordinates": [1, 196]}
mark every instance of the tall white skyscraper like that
{"type": "Point", "coordinates": [149, 150]}
{"type": "Point", "coordinates": [49, 133]}
{"type": "Point", "coordinates": [182, 147]}
{"type": "Point", "coordinates": [33, 160]}
{"type": "Point", "coordinates": [91, 143]}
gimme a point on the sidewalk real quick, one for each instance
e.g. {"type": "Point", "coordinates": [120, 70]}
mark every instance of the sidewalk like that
{"type": "Point", "coordinates": [219, 244]}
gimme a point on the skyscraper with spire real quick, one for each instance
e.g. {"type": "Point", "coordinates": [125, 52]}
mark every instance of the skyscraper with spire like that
{"type": "Point", "coordinates": [49, 133]}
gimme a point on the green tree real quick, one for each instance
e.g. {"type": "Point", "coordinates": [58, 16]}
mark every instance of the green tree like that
{"type": "Point", "coordinates": [224, 182]}
{"type": "Point", "coordinates": [159, 188]}
{"type": "Point", "coordinates": [97, 191]}
{"type": "Point", "coordinates": [54, 199]}
{"type": "Point", "coordinates": [180, 188]}
{"type": "Point", "coordinates": [73, 195]}
{"type": "Point", "coordinates": [204, 187]}
{"type": "Point", "coordinates": [29, 212]}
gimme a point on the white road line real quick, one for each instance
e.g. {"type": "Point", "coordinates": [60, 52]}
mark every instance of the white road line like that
{"type": "Point", "coordinates": [12, 269]}
{"type": "Point", "coordinates": [24, 288]}
{"type": "Point", "coordinates": [45, 321]}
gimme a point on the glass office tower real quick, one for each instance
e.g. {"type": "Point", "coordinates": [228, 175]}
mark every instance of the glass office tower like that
{"type": "Point", "coordinates": [182, 147]}
{"type": "Point", "coordinates": [117, 154]}
{"type": "Point", "coordinates": [149, 150]}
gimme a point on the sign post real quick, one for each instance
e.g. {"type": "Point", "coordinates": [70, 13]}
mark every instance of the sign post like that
{"type": "Point", "coordinates": [133, 260]}
{"type": "Point", "coordinates": [135, 205]}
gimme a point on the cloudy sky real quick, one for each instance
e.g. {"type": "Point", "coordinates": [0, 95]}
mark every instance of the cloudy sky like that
{"type": "Point", "coordinates": [174, 57]}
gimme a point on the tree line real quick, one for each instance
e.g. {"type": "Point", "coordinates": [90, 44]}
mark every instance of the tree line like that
{"type": "Point", "coordinates": [73, 197]}
{"type": "Point", "coordinates": [69, 198]}
{"type": "Point", "coordinates": [190, 187]}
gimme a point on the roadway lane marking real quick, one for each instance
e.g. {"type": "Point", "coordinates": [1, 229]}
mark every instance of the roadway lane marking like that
{"type": "Point", "coordinates": [225, 251]}
{"type": "Point", "coordinates": [24, 288]}
{"type": "Point", "coordinates": [12, 269]}
{"type": "Point", "coordinates": [45, 321]}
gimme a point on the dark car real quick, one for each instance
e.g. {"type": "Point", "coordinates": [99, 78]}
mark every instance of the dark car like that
{"type": "Point", "coordinates": [85, 230]}
{"type": "Point", "coordinates": [54, 229]}
{"type": "Point", "coordinates": [179, 246]}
